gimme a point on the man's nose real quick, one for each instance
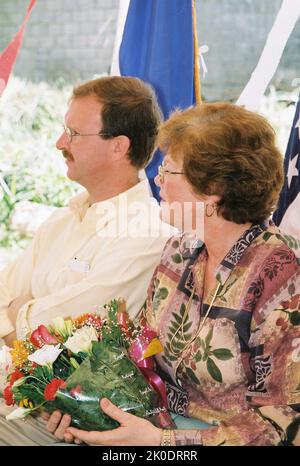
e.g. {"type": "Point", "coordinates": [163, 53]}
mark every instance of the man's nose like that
{"type": "Point", "coordinates": [62, 142]}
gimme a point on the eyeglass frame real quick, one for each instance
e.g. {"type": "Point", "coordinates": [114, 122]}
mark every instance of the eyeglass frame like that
{"type": "Point", "coordinates": [162, 171]}
{"type": "Point", "coordinates": [70, 133]}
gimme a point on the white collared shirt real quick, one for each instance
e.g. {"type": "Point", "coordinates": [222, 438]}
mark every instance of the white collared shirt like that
{"type": "Point", "coordinates": [83, 256]}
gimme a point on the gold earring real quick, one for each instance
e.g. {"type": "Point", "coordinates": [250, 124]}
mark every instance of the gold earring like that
{"type": "Point", "coordinates": [210, 213]}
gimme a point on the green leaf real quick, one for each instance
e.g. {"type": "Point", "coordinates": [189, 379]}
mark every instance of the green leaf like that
{"type": "Point", "coordinates": [180, 345]}
{"type": "Point", "coordinates": [177, 318]}
{"type": "Point", "coordinates": [172, 358]}
{"type": "Point", "coordinates": [198, 356]}
{"type": "Point", "coordinates": [182, 309]}
{"type": "Point", "coordinates": [168, 354]}
{"type": "Point", "coordinates": [295, 317]}
{"type": "Point", "coordinates": [223, 354]}
{"type": "Point", "coordinates": [201, 342]}
{"type": "Point", "coordinates": [267, 235]}
{"type": "Point", "coordinates": [192, 376]}
{"type": "Point", "coordinates": [290, 241]}
{"type": "Point", "coordinates": [209, 336]}
{"type": "Point", "coordinates": [292, 430]}
{"type": "Point", "coordinates": [187, 326]}
{"type": "Point", "coordinates": [163, 293]}
{"type": "Point", "coordinates": [213, 370]}
{"type": "Point", "coordinates": [176, 258]}
{"type": "Point", "coordinates": [174, 328]}
{"type": "Point", "coordinates": [174, 324]}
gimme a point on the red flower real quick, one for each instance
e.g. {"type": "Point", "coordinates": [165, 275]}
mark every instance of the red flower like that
{"type": "Point", "coordinates": [95, 321]}
{"type": "Point", "coordinates": [41, 336]}
{"type": "Point", "coordinates": [15, 376]}
{"type": "Point", "coordinates": [282, 323]}
{"type": "Point", "coordinates": [8, 395]}
{"type": "Point", "coordinates": [52, 387]}
{"type": "Point", "coordinates": [279, 321]}
{"type": "Point", "coordinates": [291, 303]}
{"type": "Point", "coordinates": [75, 390]}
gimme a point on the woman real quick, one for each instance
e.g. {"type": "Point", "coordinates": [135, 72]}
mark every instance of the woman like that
{"type": "Point", "coordinates": [227, 311]}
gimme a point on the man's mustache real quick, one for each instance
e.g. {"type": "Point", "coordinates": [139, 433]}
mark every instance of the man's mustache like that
{"type": "Point", "coordinates": [67, 154]}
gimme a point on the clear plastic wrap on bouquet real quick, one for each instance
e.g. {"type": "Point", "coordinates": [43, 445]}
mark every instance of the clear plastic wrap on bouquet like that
{"type": "Point", "coordinates": [111, 374]}
{"type": "Point", "coordinates": [73, 364]}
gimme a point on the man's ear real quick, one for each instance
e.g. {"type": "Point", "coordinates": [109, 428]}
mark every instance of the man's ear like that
{"type": "Point", "coordinates": [121, 146]}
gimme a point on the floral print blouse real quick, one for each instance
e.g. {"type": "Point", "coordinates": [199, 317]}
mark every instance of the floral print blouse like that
{"type": "Point", "coordinates": [239, 368]}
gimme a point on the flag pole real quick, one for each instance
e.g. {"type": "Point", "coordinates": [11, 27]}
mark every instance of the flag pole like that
{"type": "Point", "coordinates": [197, 83]}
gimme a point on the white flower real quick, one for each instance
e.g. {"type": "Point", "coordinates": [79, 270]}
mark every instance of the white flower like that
{"type": "Point", "coordinates": [18, 413]}
{"type": "Point", "coordinates": [62, 327]}
{"type": "Point", "coordinates": [5, 358]}
{"type": "Point", "coordinates": [82, 340]}
{"type": "Point", "coordinates": [46, 355]}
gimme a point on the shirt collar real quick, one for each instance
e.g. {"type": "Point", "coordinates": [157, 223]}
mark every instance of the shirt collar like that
{"type": "Point", "coordinates": [80, 204]}
{"type": "Point", "coordinates": [234, 255]}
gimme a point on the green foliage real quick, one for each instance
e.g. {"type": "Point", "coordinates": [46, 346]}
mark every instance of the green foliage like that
{"type": "Point", "coordinates": [178, 335]}
{"type": "Point", "coordinates": [31, 168]}
{"type": "Point", "coordinates": [112, 331]}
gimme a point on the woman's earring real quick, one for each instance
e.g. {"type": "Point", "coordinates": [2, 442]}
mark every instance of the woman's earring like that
{"type": "Point", "coordinates": [210, 209]}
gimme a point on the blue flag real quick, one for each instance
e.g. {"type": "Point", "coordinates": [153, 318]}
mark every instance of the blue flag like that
{"type": "Point", "coordinates": [291, 186]}
{"type": "Point", "coordinates": [157, 46]}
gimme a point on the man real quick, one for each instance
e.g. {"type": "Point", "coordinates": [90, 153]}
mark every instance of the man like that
{"type": "Point", "coordinates": [96, 249]}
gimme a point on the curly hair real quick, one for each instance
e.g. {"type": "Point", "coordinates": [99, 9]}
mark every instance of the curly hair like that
{"type": "Point", "coordinates": [230, 152]}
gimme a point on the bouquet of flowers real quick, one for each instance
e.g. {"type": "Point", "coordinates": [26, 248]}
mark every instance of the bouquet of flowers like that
{"type": "Point", "coordinates": [73, 363]}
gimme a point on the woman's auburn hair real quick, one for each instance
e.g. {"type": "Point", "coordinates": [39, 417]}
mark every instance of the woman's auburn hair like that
{"type": "Point", "coordinates": [230, 152]}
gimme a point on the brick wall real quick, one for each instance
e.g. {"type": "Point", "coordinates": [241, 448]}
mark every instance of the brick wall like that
{"type": "Point", "coordinates": [69, 38]}
{"type": "Point", "coordinates": [74, 39]}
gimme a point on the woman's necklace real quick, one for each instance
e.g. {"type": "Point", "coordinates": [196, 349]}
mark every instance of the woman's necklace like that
{"type": "Point", "coordinates": [172, 349]}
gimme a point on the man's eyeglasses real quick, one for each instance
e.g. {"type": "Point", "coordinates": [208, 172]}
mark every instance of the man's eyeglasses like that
{"type": "Point", "coordinates": [70, 133]}
{"type": "Point", "coordinates": [162, 171]}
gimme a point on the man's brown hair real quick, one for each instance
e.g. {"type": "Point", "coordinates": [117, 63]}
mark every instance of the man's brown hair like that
{"type": "Point", "coordinates": [130, 108]}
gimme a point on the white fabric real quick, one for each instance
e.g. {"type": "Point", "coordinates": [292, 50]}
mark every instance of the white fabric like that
{"type": "Point", "coordinates": [291, 220]}
{"type": "Point", "coordinates": [122, 15]}
{"type": "Point", "coordinates": [271, 54]}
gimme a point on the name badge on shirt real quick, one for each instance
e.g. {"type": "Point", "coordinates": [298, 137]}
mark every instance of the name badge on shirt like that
{"type": "Point", "coordinates": [77, 265]}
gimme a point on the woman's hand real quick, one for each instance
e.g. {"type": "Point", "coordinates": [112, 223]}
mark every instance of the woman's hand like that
{"type": "Point", "coordinates": [57, 425]}
{"type": "Point", "coordinates": [132, 431]}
